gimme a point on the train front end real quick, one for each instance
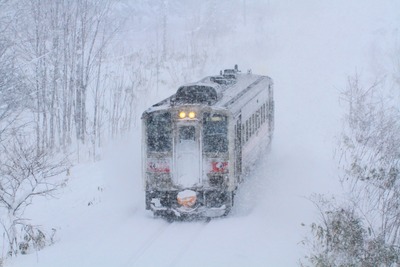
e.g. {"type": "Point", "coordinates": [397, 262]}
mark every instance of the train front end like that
{"type": "Point", "coordinates": [186, 160]}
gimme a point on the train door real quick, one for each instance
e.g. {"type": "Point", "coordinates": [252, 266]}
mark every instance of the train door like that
{"type": "Point", "coordinates": [187, 155]}
{"type": "Point", "coordinates": [238, 149]}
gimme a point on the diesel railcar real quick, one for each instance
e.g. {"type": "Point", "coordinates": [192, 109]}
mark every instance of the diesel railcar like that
{"type": "Point", "coordinates": [199, 143]}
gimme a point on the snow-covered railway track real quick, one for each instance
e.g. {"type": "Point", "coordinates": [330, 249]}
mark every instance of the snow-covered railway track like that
{"type": "Point", "coordinates": [147, 244]}
{"type": "Point", "coordinates": [183, 235]}
{"type": "Point", "coordinates": [189, 242]}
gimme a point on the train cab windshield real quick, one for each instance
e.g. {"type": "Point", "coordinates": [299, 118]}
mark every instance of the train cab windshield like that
{"type": "Point", "coordinates": [215, 133]}
{"type": "Point", "coordinates": [159, 132]}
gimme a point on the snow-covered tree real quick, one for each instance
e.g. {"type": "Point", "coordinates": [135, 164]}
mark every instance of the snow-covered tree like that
{"type": "Point", "coordinates": [62, 45]}
{"type": "Point", "coordinates": [12, 87]}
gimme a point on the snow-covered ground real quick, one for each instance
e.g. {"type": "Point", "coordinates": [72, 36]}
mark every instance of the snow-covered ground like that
{"type": "Point", "coordinates": [309, 50]}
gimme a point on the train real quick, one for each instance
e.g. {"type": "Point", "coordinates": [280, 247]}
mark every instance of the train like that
{"type": "Point", "coordinates": [199, 144]}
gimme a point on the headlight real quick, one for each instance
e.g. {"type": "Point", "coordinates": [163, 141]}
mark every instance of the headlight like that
{"type": "Point", "coordinates": [182, 114]}
{"type": "Point", "coordinates": [192, 115]}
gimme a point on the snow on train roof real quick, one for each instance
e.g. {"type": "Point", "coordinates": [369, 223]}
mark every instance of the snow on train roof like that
{"type": "Point", "coordinates": [226, 92]}
{"type": "Point", "coordinates": [242, 81]}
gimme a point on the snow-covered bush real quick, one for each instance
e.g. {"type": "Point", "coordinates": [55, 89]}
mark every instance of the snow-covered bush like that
{"type": "Point", "coordinates": [366, 232]}
{"type": "Point", "coordinates": [25, 174]}
{"type": "Point", "coordinates": [35, 238]}
{"type": "Point", "coordinates": [338, 239]}
{"type": "Point", "coordinates": [343, 238]}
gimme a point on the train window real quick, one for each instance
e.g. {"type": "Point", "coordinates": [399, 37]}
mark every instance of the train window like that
{"type": "Point", "coordinates": [215, 133]}
{"type": "Point", "coordinates": [247, 130]}
{"type": "Point", "coordinates": [263, 113]}
{"type": "Point", "coordinates": [250, 133]}
{"type": "Point", "coordinates": [250, 128]}
{"type": "Point", "coordinates": [253, 123]}
{"type": "Point", "coordinates": [159, 132]}
{"type": "Point", "coordinates": [187, 133]}
{"type": "Point", "coordinates": [257, 120]}
{"type": "Point", "coordinates": [271, 113]}
{"type": "Point", "coordinates": [243, 133]}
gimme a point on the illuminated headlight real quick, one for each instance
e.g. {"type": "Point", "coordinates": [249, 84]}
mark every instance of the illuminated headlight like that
{"type": "Point", "coordinates": [182, 114]}
{"type": "Point", "coordinates": [192, 115]}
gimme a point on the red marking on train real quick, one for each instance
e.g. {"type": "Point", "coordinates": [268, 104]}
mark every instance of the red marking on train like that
{"type": "Point", "coordinates": [159, 167]}
{"type": "Point", "coordinates": [221, 167]}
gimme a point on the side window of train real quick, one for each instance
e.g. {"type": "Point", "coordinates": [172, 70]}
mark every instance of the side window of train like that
{"type": "Point", "coordinates": [253, 124]}
{"type": "Point", "coordinates": [247, 130]}
{"type": "Point", "coordinates": [250, 128]}
{"type": "Point", "coordinates": [263, 113]}
{"type": "Point", "coordinates": [258, 118]}
{"type": "Point", "coordinates": [243, 133]}
{"type": "Point", "coordinates": [256, 121]}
